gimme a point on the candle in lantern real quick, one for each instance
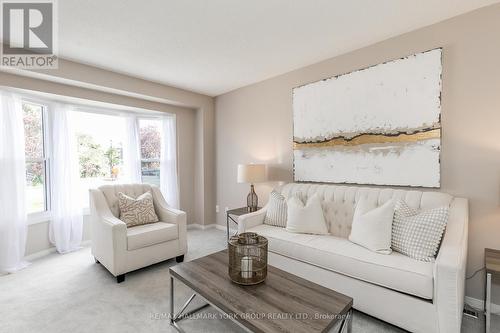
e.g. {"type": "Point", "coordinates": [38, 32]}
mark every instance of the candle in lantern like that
{"type": "Point", "coordinates": [246, 267]}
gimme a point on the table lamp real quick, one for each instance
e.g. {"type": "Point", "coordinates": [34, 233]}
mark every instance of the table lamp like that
{"type": "Point", "coordinates": [252, 173]}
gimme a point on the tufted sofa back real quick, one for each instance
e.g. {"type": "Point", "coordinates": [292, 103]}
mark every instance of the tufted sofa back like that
{"type": "Point", "coordinates": [111, 194]}
{"type": "Point", "coordinates": [339, 201]}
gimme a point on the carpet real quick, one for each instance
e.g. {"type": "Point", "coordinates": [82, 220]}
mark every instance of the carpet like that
{"type": "Point", "coordinates": [71, 293]}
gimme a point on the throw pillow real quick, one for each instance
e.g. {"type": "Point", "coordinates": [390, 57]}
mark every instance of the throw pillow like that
{"type": "Point", "coordinates": [306, 219]}
{"type": "Point", "coordinates": [418, 234]}
{"type": "Point", "coordinates": [276, 210]}
{"type": "Point", "coordinates": [372, 227]}
{"type": "Point", "coordinates": [137, 211]}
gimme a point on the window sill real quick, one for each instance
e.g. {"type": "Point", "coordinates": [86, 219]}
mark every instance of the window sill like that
{"type": "Point", "coordinates": [44, 217]}
{"type": "Point", "coordinates": [36, 218]}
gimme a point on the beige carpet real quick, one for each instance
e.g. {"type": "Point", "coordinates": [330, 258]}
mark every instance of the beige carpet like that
{"type": "Point", "coordinates": [70, 293]}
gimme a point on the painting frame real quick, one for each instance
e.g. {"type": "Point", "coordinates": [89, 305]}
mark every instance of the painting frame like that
{"type": "Point", "coordinates": [424, 141]}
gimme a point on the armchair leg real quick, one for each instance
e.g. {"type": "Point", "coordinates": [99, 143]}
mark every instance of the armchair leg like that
{"type": "Point", "coordinates": [120, 278]}
{"type": "Point", "coordinates": [179, 258]}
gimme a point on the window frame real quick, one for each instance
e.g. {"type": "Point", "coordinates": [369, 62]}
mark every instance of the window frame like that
{"type": "Point", "coordinates": [45, 214]}
{"type": "Point", "coordinates": [146, 160]}
{"type": "Point", "coordinates": [96, 112]}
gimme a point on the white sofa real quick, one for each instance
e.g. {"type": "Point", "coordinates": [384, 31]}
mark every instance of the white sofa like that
{"type": "Point", "coordinates": [414, 295]}
{"type": "Point", "coordinates": [121, 249]}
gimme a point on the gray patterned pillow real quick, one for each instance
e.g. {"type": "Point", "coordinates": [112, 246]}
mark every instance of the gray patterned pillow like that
{"type": "Point", "coordinates": [276, 210]}
{"type": "Point", "coordinates": [137, 211]}
{"type": "Point", "coordinates": [418, 234]}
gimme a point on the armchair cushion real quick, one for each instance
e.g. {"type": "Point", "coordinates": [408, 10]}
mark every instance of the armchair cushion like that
{"type": "Point", "coordinates": [150, 234]}
{"type": "Point", "coordinates": [110, 193]}
{"type": "Point", "coordinates": [137, 211]}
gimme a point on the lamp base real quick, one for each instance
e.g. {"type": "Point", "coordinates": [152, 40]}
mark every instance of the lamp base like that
{"type": "Point", "coordinates": [252, 200]}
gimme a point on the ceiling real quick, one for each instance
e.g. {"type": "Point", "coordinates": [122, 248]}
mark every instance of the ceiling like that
{"type": "Point", "coordinates": [215, 46]}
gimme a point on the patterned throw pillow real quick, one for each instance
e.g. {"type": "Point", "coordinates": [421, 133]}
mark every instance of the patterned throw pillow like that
{"type": "Point", "coordinates": [137, 211]}
{"type": "Point", "coordinates": [418, 234]}
{"type": "Point", "coordinates": [276, 210]}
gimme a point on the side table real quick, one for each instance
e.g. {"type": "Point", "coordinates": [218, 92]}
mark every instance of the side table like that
{"type": "Point", "coordinates": [492, 264]}
{"type": "Point", "coordinates": [232, 213]}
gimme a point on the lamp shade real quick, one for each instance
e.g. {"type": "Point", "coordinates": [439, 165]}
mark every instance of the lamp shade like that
{"type": "Point", "coordinates": [251, 173]}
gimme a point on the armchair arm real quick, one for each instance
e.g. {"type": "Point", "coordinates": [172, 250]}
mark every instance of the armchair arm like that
{"type": "Point", "coordinates": [171, 215]}
{"type": "Point", "coordinates": [166, 213]}
{"type": "Point", "coordinates": [449, 270]}
{"type": "Point", "coordinates": [109, 235]}
{"type": "Point", "coordinates": [251, 220]}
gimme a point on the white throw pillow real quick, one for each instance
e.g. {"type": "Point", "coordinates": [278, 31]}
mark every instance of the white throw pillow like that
{"type": "Point", "coordinates": [418, 233]}
{"type": "Point", "coordinates": [276, 210]}
{"type": "Point", "coordinates": [372, 226]}
{"type": "Point", "coordinates": [306, 219]}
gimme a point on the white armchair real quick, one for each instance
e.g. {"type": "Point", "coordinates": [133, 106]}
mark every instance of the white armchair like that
{"type": "Point", "coordinates": [121, 249]}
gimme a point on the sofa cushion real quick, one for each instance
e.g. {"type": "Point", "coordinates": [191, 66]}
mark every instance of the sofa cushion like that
{"type": "Point", "coordinates": [395, 271]}
{"type": "Point", "coordinates": [276, 210]}
{"type": "Point", "coordinates": [372, 227]}
{"type": "Point", "coordinates": [150, 234]}
{"type": "Point", "coordinates": [418, 233]}
{"type": "Point", "coordinates": [305, 217]}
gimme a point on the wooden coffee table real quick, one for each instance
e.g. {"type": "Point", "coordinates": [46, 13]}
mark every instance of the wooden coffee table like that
{"type": "Point", "coordinates": [282, 303]}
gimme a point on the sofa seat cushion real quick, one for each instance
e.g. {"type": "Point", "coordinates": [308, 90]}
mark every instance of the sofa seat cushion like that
{"type": "Point", "coordinates": [150, 234]}
{"type": "Point", "coordinates": [395, 271]}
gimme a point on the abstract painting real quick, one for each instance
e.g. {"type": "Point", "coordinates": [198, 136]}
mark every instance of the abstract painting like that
{"type": "Point", "coordinates": [379, 125]}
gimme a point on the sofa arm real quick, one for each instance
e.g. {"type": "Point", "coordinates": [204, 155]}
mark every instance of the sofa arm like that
{"type": "Point", "coordinates": [171, 215]}
{"type": "Point", "coordinates": [449, 270]}
{"type": "Point", "coordinates": [109, 235]}
{"type": "Point", "coordinates": [251, 220]}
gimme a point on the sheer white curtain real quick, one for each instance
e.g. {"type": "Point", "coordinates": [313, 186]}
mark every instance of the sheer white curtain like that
{"type": "Point", "coordinates": [132, 151]}
{"type": "Point", "coordinates": [169, 183]}
{"type": "Point", "coordinates": [67, 220]}
{"type": "Point", "coordinates": [13, 226]}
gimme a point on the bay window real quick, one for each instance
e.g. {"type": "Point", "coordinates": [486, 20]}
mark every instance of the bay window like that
{"type": "Point", "coordinates": [100, 136]}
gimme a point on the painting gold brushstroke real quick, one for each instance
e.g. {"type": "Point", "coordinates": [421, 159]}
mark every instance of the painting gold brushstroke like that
{"type": "Point", "coordinates": [372, 139]}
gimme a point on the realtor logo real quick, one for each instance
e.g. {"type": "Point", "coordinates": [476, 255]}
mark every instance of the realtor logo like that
{"type": "Point", "coordinates": [28, 34]}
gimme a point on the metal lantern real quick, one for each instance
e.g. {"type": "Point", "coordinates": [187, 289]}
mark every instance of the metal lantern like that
{"type": "Point", "coordinates": [247, 258]}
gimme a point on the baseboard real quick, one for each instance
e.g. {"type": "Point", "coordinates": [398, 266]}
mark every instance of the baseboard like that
{"type": "Point", "coordinates": [40, 254]}
{"type": "Point", "coordinates": [232, 231]}
{"type": "Point", "coordinates": [50, 250]}
{"type": "Point", "coordinates": [478, 304]}
{"type": "Point", "coordinates": [211, 226]}
{"type": "Point", "coordinates": [200, 226]}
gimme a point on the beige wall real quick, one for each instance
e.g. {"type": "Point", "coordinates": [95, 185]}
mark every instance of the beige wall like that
{"type": "Point", "coordinates": [254, 123]}
{"type": "Point", "coordinates": [37, 241]}
{"type": "Point", "coordinates": [194, 118]}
